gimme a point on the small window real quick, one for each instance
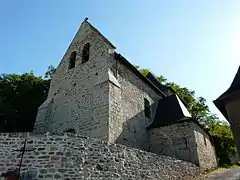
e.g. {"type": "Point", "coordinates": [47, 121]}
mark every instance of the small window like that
{"type": "Point", "coordinates": [147, 108]}
{"type": "Point", "coordinates": [85, 53]}
{"type": "Point", "coordinates": [72, 60]}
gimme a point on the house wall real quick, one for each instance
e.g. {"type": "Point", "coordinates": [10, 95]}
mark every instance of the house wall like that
{"type": "Point", "coordinates": [79, 98]}
{"type": "Point", "coordinates": [78, 157]}
{"type": "Point", "coordinates": [233, 112]}
{"type": "Point", "coordinates": [175, 140]}
{"type": "Point", "coordinates": [128, 123]}
{"type": "Point", "coordinates": [205, 149]}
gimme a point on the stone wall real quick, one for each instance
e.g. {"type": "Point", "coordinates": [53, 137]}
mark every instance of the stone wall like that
{"type": "Point", "coordinates": [65, 157]}
{"type": "Point", "coordinates": [128, 123]}
{"type": "Point", "coordinates": [186, 141]}
{"type": "Point", "coordinates": [79, 97]}
{"type": "Point", "coordinates": [175, 140]}
{"type": "Point", "coordinates": [205, 149]}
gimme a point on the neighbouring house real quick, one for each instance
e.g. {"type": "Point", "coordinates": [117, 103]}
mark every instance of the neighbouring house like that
{"type": "Point", "coordinates": [96, 92]}
{"type": "Point", "coordinates": [229, 105]}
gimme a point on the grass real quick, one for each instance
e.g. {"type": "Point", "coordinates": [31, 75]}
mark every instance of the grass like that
{"type": "Point", "coordinates": [232, 166]}
{"type": "Point", "coordinates": [225, 167]}
{"type": "Point", "coordinates": [235, 166]}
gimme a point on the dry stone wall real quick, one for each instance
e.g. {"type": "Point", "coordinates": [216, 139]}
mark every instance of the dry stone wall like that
{"type": "Point", "coordinates": [75, 157]}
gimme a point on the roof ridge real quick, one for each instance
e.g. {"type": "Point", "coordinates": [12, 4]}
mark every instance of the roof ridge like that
{"type": "Point", "coordinates": [98, 32]}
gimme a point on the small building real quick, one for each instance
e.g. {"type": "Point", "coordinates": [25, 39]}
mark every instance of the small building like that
{"type": "Point", "coordinates": [96, 92]}
{"type": "Point", "coordinates": [229, 105]}
{"type": "Point", "coordinates": [175, 133]}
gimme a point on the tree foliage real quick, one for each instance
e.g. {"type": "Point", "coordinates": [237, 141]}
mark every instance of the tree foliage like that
{"type": "Point", "coordinates": [20, 97]}
{"type": "Point", "coordinates": [223, 141]}
{"type": "Point", "coordinates": [50, 72]}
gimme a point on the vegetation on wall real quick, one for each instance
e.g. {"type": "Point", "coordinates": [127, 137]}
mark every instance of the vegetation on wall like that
{"type": "Point", "coordinates": [21, 95]}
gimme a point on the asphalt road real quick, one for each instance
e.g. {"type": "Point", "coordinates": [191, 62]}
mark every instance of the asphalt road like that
{"type": "Point", "coordinates": [231, 174]}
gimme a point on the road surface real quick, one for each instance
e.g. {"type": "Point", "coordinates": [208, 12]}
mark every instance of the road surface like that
{"type": "Point", "coordinates": [230, 174]}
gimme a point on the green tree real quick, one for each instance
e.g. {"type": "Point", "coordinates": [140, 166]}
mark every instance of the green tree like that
{"type": "Point", "coordinates": [20, 97]}
{"type": "Point", "coordinates": [50, 72]}
{"type": "Point", "coordinates": [144, 72]}
{"type": "Point", "coordinates": [223, 141]}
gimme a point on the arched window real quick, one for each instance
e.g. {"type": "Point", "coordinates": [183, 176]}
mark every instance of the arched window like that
{"type": "Point", "coordinates": [147, 108]}
{"type": "Point", "coordinates": [72, 60]}
{"type": "Point", "coordinates": [85, 53]}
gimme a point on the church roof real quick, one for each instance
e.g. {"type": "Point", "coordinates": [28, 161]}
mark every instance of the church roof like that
{"type": "Point", "coordinates": [232, 90]}
{"type": "Point", "coordinates": [170, 110]}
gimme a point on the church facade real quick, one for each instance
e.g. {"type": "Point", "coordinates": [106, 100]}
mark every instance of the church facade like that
{"type": "Point", "coordinates": [96, 92]}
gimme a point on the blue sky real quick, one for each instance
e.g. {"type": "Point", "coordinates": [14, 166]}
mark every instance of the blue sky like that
{"type": "Point", "coordinates": [193, 43]}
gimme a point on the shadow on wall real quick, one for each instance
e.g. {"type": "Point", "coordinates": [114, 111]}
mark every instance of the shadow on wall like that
{"type": "Point", "coordinates": [12, 174]}
{"type": "Point", "coordinates": [134, 130]}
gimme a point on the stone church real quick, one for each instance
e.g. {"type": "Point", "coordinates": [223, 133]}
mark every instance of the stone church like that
{"type": "Point", "coordinates": [96, 92]}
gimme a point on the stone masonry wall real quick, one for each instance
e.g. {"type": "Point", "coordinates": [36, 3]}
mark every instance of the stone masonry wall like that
{"type": "Point", "coordinates": [205, 149]}
{"type": "Point", "coordinates": [175, 140]}
{"type": "Point", "coordinates": [79, 97]}
{"type": "Point", "coordinates": [128, 123]}
{"type": "Point", "coordinates": [65, 157]}
{"type": "Point", "coordinates": [186, 141]}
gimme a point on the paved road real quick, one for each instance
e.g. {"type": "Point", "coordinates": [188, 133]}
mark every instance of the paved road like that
{"type": "Point", "coordinates": [231, 174]}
